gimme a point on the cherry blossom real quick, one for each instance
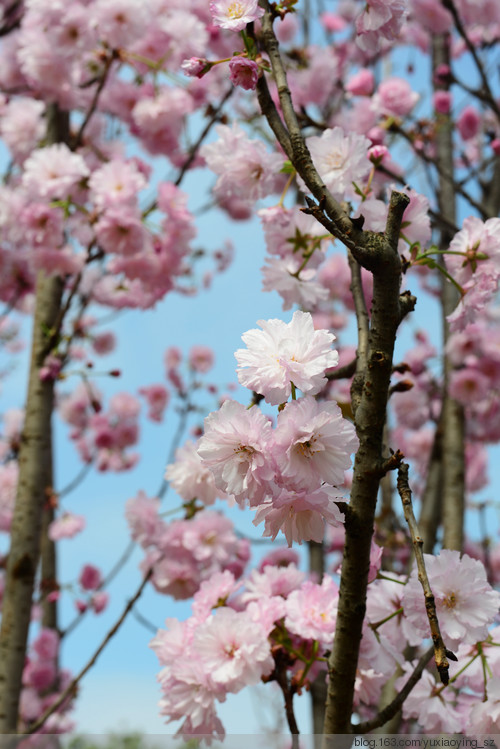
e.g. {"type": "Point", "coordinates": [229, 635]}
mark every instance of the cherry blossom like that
{"type": "Point", "coordinates": [235, 447]}
{"type": "Point", "coordinates": [313, 443]}
{"type": "Point", "coordinates": [235, 14]}
{"type": "Point", "coordinates": [340, 159]}
{"type": "Point", "coordinates": [465, 602]}
{"type": "Point", "coordinates": [284, 353]}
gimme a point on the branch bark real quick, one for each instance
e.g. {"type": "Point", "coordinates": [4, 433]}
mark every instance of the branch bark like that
{"type": "Point", "coordinates": [34, 487]}
{"type": "Point", "coordinates": [378, 253]}
{"type": "Point", "coordinates": [453, 426]}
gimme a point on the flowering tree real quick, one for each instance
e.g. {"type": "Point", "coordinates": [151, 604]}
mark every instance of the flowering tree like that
{"type": "Point", "coordinates": [387, 191]}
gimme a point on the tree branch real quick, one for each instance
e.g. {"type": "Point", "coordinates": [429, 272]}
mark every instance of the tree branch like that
{"type": "Point", "coordinates": [440, 651]}
{"type": "Point", "coordinates": [71, 688]}
{"type": "Point", "coordinates": [390, 711]}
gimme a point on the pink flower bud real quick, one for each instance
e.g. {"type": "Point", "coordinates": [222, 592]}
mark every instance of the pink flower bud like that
{"type": "Point", "coordinates": [244, 73]}
{"type": "Point", "coordinates": [468, 123]}
{"type": "Point", "coordinates": [99, 601]}
{"type": "Point", "coordinates": [90, 577]}
{"type": "Point", "coordinates": [196, 67]}
{"type": "Point", "coordinates": [442, 102]}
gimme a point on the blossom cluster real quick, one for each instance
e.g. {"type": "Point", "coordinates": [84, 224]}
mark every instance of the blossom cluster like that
{"type": "Point", "coordinates": [239, 631]}
{"type": "Point", "coordinates": [184, 553]}
{"type": "Point", "coordinates": [289, 474]}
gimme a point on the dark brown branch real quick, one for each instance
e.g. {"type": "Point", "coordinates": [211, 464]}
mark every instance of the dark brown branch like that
{"type": "Point", "coordinates": [342, 373]}
{"type": "Point", "coordinates": [294, 143]}
{"type": "Point", "coordinates": [363, 323]}
{"type": "Point", "coordinates": [440, 651]}
{"type": "Point", "coordinates": [281, 660]}
{"type": "Point", "coordinates": [377, 253]}
{"type": "Point", "coordinates": [393, 708]}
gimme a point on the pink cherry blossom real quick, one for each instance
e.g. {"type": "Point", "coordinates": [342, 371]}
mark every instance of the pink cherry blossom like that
{"type": "Point", "coordinates": [66, 526]}
{"type": "Point", "coordinates": [394, 96]}
{"type": "Point", "coordinates": [361, 83]}
{"type": "Point", "coordinates": [313, 443]}
{"type": "Point", "coordinates": [293, 284]}
{"type": "Point", "coordinates": [235, 447]}
{"type": "Point", "coordinates": [233, 649]}
{"type": "Point", "coordinates": [235, 14]}
{"type": "Point", "coordinates": [311, 611]}
{"type": "Point", "coordinates": [157, 397]}
{"type": "Point", "coordinates": [244, 72]}
{"type": "Point", "coordinates": [212, 593]}
{"type": "Point", "coordinates": [46, 645]}
{"type": "Point", "coordinates": [90, 577]}
{"type": "Point", "coordinates": [142, 516]}
{"type": "Point", "coordinates": [442, 101]}
{"type": "Point", "coordinates": [116, 183]}
{"type": "Point", "coordinates": [300, 514]}
{"type": "Point", "coordinates": [201, 358]}
{"type": "Point", "coordinates": [340, 159]}
{"type": "Point", "coordinates": [121, 230]}
{"type": "Point", "coordinates": [250, 174]}
{"type": "Point", "coordinates": [435, 713]}
{"type": "Point", "coordinates": [282, 353]}
{"type": "Point", "coordinates": [190, 477]}
{"type": "Point", "coordinates": [53, 172]}
{"type": "Point", "coordinates": [465, 602]}
{"type": "Point", "coordinates": [272, 581]}
{"type": "Point", "coordinates": [468, 122]}
{"type": "Point", "coordinates": [196, 67]}
{"type": "Point", "coordinates": [381, 19]}
{"type": "Point", "coordinates": [99, 601]}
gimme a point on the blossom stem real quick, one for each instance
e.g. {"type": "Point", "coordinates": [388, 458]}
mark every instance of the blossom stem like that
{"type": "Point", "coordinates": [286, 188]}
{"type": "Point", "coordinates": [378, 624]}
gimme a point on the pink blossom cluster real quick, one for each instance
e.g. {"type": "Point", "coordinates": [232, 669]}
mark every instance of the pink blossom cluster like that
{"type": "Point", "coordinates": [103, 436]}
{"type": "Point", "coordinates": [466, 608]}
{"type": "Point", "coordinates": [293, 614]}
{"type": "Point", "coordinates": [296, 244]}
{"type": "Point", "coordinates": [250, 174]}
{"type": "Point", "coordinates": [90, 582]}
{"type": "Point", "coordinates": [233, 638]}
{"type": "Point", "coordinates": [475, 266]}
{"type": "Point", "coordinates": [288, 474]}
{"type": "Point", "coordinates": [43, 682]}
{"type": "Point", "coordinates": [184, 553]}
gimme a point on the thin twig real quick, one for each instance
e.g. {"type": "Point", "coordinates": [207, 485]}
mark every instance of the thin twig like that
{"type": "Point", "coordinates": [193, 151]}
{"type": "Point", "coordinates": [75, 481]}
{"type": "Point", "coordinates": [122, 560]}
{"type": "Point", "coordinates": [195, 147]}
{"type": "Point", "coordinates": [440, 651]}
{"type": "Point", "coordinates": [71, 688]}
{"type": "Point", "coordinates": [144, 621]}
{"type": "Point", "coordinates": [342, 373]}
{"type": "Point", "coordinates": [390, 711]}
{"type": "Point", "coordinates": [77, 141]}
{"type": "Point", "coordinates": [450, 5]}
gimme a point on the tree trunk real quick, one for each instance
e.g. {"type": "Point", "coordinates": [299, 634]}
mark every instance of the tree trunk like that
{"type": "Point", "coordinates": [34, 487]}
